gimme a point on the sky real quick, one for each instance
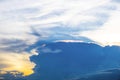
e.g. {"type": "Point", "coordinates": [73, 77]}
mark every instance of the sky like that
{"type": "Point", "coordinates": [23, 23]}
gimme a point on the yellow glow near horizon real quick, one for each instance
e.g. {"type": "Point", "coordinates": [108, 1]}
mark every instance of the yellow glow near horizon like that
{"type": "Point", "coordinates": [17, 62]}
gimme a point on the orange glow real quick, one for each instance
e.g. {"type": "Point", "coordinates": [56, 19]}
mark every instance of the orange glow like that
{"type": "Point", "coordinates": [19, 62]}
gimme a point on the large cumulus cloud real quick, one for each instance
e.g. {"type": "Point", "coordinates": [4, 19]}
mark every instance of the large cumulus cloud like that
{"type": "Point", "coordinates": [25, 22]}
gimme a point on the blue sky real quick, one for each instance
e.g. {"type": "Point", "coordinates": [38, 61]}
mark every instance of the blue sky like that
{"type": "Point", "coordinates": [23, 23]}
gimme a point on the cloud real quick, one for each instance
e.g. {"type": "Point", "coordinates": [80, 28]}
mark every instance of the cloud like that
{"type": "Point", "coordinates": [44, 17]}
{"type": "Point", "coordinates": [74, 60]}
{"type": "Point", "coordinates": [108, 34]}
{"type": "Point", "coordinates": [115, 0]}
{"type": "Point", "coordinates": [20, 62]}
{"type": "Point", "coordinates": [25, 22]}
{"type": "Point", "coordinates": [69, 41]}
{"type": "Point", "coordinates": [112, 74]}
{"type": "Point", "coordinates": [48, 50]}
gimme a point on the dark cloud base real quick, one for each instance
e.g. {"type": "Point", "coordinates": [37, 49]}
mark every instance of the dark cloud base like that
{"type": "Point", "coordinates": [76, 61]}
{"type": "Point", "coordinates": [106, 75]}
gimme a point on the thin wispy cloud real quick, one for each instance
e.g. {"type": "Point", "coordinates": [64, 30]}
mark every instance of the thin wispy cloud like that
{"type": "Point", "coordinates": [108, 34]}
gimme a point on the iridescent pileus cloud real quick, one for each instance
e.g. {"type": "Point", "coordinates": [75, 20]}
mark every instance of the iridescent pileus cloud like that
{"type": "Point", "coordinates": [24, 22]}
